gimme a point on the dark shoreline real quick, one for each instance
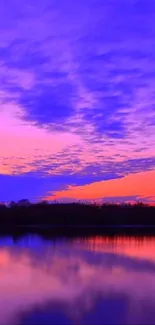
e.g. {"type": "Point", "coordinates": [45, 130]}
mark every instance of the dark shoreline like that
{"type": "Point", "coordinates": [49, 232]}
{"type": "Point", "coordinates": [76, 219]}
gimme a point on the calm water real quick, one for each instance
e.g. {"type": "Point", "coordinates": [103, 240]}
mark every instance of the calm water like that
{"type": "Point", "coordinates": [95, 281]}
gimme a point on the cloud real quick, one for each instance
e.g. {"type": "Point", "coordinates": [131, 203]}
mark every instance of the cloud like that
{"type": "Point", "coordinates": [139, 185]}
{"type": "Point", "coordinates": [77, 87]}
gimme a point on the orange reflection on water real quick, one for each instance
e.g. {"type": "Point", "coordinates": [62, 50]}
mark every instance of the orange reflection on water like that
{"type": "Point", "coordinates": [139, 247]}
{"type": "Point", "coordinates": [75, 274]}
{"type": "Point", "coordinates": [4, 258]}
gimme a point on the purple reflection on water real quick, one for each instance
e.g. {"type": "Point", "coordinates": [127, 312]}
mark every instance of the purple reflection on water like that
{"type": "Point", "coordinates": [94, 281]}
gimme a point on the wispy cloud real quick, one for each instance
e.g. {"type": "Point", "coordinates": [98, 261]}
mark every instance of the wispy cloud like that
{"type": "Point", "coordinates": [138, 186]}
{"type": "Point", "coordinates": [77, 88]}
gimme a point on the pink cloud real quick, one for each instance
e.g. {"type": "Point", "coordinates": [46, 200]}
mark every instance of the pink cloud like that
{"type": "Point", "coordinates": [140, 184]}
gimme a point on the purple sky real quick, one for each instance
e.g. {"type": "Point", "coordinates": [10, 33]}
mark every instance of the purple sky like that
{"type": "Point", "coordinates": [77, 99]}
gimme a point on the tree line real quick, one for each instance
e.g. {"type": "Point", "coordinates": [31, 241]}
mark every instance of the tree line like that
{"type": "Point", "coordinates": [76, 214]}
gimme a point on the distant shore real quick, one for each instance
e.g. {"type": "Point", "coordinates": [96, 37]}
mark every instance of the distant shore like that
{"type": "Point", "coordinates": [78, 219]}
{"type": "Point", "coordinates": [77, 231]}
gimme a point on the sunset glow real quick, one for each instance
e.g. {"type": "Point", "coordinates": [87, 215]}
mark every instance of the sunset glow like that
{"type": "Point", "coordinates": [77, 117]}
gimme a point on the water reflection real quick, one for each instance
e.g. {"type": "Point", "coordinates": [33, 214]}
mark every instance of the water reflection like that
{"type": "Point", "coordinates": [93, 281]}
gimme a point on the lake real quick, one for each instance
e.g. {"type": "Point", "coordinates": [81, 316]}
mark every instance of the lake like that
{"type": "Point", "coordinates": [82, 281]}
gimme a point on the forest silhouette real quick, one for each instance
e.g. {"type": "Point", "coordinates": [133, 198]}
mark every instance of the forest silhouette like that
{"type": "Point", "coordinates": [77, 218]}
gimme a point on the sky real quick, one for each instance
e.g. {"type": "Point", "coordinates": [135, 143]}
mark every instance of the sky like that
{"type": "Point", "coordinates": [77, 100]}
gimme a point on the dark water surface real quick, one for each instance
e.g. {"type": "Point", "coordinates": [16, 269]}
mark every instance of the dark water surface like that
{"type": "Point", "coordinates": [90, 281]}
